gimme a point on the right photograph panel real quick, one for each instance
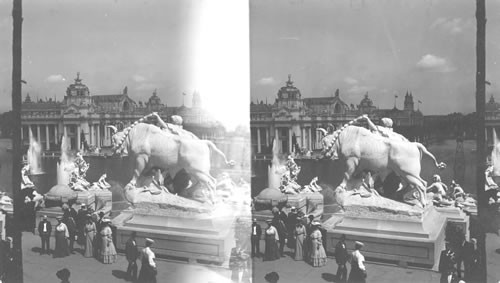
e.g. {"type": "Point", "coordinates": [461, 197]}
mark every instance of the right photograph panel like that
{"type": "Point", "coordinates": [363, 132]}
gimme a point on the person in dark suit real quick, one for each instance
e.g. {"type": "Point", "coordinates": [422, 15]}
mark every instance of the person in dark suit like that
{"type": "Point", "coordinates": [447, 264]}
{"type": "Point", "coordinates": [290, 225]}
{"type": "Point", "coordinates": [464, 256]}
{"type": "Point", "coordinates": [44, 230]}
{"type": "Point", "coordinates": [132, 254]}
{"type": "Point", "coordinates": [341, 257]}
{"type": "Point", "coordinates": [282, 232]}
{"type": "Point", "coordinates": [255, 238]}
{"type": "Point", "coordinates": [71, 225]}
{"type": "Point", "coordinates": [81, 217]}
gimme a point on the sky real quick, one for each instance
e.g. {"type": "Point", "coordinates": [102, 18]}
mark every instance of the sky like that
{"type": "Point", "coordinates": [175, 47]}
{"type": "Point", "coordinates": [383, 47]}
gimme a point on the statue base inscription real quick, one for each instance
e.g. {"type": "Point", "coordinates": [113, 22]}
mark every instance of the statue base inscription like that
{"type": "Point", "coordinates": [391, 232]}
{"type": "Point", "coordinates": [185, 234]}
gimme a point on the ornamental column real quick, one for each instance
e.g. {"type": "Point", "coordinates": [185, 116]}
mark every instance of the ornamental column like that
{"type": "Point", "coordinates": [78, 137]}
{"type": "Point", "coordinates": [56, 136]}
{"type": "Point", "coordinates": [38, 137]}
{"type": "Point", "coordinates": [290, 147]}
{"type": "Point", "coordinates": [99, 144]}
{"type": "Point", "coordinates": [267, 137]}
{"type": "Point", "coordinates": [259, 149]}
{"type": "Point", "coordinates": [47, 146]}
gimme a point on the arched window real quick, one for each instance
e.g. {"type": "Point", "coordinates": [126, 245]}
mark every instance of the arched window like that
{"type": "Point", "coordinates": [126, 106]}
{"type": "Point", "coordinates": [337, 108]}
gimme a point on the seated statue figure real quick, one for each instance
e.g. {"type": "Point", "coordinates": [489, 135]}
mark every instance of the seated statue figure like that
{"type": "Point", "coordinates": [385, 129]}
{"type": "Point", "coordinates": [26, 182]}
{"type": "Point", "coordinates": [312, 187]}
{"type": "Point", "coordinates": [174, 128]}
{"type": "Point", "coordinates": [439, 191]}
{"type": "Point", "coordinates": [77, 178]}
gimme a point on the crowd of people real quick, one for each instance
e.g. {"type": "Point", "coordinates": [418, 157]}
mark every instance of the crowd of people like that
{"type": "Point", "coordinates": [307, 239]}
{"type": "Point", "coordinates": [452, 259]}
{"type": "Point", "coordinates": [94, 234]}
{"type": "Point", "coordinates": [89, 230]}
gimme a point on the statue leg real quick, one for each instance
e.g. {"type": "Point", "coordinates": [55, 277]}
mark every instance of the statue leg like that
{"type": "Point", "coordinates": [351, 168]}
{"type": "Point", "coordinates": [420, 187]}
{"type": "Point", "coordinates": [140, 164]}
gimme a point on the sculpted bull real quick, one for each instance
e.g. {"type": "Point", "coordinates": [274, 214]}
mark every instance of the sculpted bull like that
{"type": "Point", "coordinates": [150, 148]}
{"type": "Point", "coordinates": [362, 151]}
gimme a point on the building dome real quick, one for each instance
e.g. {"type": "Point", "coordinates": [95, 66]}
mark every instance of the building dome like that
{"type": "Point", "coordinates": [289, 91]}
{"type": "Point", "coordinates": [366, 102]}
{"type": "Point", "coordinates": [77, 88]}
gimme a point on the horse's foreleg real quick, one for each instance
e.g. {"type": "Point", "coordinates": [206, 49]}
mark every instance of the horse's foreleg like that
{"type": "Point", "coordinates": [351, 168]}
{"type": "Point", "coordinates": [140, 164]}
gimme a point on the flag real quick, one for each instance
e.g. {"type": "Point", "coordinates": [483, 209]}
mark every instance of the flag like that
{"type": "Point", "coordinates": [487, 82]}
{"type": "Point", "coordinates": [184, 93]}
{"type": "Point", "coordinates": [395, 96]}
{"type": "Point", "coordinates": [419, 101]}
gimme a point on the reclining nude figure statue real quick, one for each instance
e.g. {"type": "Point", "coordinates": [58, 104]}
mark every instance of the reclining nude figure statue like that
{"type": "Point", "coordinates": [365, 151]}
{"type": "Point", "coordinates": [151, 148]}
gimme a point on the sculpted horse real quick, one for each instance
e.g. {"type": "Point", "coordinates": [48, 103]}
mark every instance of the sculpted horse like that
{"type": "Point", "coordinates": [362, 151]}
{"type": "Point", "coordinates": [151, 148]}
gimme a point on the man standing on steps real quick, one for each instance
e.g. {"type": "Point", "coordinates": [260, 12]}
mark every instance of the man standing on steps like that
{"type": "Point", "coordinates": [341, 257]}
{"type": "Point", "coordinates": [44, 230]}
{"type": "Point", "coordinates": [132, 254]}
{"type": "Point", "coordinates": [255, 238]}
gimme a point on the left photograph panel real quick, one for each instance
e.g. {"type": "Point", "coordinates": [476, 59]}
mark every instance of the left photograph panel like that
{"type": "Point", "coordinates": [135, 141]}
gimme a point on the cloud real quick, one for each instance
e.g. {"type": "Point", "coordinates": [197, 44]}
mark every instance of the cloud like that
{"type": "Point", "coordinates": [433, 63]}
{"type": "Point", "coordinates": [267, 81]}
{"type": "Point", "coordinates": [147, 86]}
{"type": "Point", "coordinates": [357, 89]}
{"type": "Point", "coordinates": [55, 78]}
{"type": "Point", "coordinates": [138, 78]}
{"type": "Point", "coordinates": [350, 80]}
{"type": "Point", "coordinates": [452, 25]}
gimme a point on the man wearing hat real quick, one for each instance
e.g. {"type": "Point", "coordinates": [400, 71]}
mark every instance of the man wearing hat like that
{"type": "Point", "coordinates": [290, 225]}
{"type": "Point", "coordinates": [255, 238]}
{"type": "Point", "coordinates": [148, 266]}
{"type": "Point", "coordinates": [132, 253]}
{"type": "Point", "coordinates": [358, 269]}
{"type": "Point", "coordinates": [44, 230]}
{"type": "Point", "coordinates": [447, 264]}
{"type": "Point", "coordinates": [341, 257]}
{"type": "Point", "coordinates": [81, 217]}
{"type": "Point", "coordinates": [279, 224]}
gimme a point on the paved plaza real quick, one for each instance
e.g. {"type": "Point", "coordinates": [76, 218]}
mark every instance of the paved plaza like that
{"type": "Point", "coordinates": [43, 268]}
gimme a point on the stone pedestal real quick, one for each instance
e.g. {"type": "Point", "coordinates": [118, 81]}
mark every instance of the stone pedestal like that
{"type": "Point", "coordinates": [298, 201]}
{"type": "Point", "coordinates": [192, 237]}
{"type": "Point", "coordinates": [456, 216]}
{"type": "Point", "coordinates": [103, 200]}
{"type": "Point", "coordinates": [404, 237]}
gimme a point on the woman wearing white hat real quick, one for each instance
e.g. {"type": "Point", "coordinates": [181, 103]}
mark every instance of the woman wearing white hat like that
{"type": "Point", "coordinates": [318, 254]}
{"type": "Point", "coordinates": [108, 251]}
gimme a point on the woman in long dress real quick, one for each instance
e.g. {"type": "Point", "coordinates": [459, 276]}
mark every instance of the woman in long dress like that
{"type": "Point", "coordinates": [272, 238]}
{"type": "Point", "coordinates": [108, 251]}
{"type": "Point", "coordinates": [299, 235]}
{"type": "Point", "coordinates": [62, 235]}
{"type": "Point", "coordinates": [318, 254]}
{"type": "Point", "coordinates": [89, 231]}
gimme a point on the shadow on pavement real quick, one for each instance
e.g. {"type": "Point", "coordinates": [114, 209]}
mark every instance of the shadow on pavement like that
{"type": "Point", "coordinates": [120, 274]}
{"type": "Point", "coordinates": [328, 277]}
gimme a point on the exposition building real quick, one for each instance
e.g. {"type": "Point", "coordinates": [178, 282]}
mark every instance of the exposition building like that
{"type": "Point", "coordinates": [84, 117]}
{"type": "Point", "coordinates": [294, 119]}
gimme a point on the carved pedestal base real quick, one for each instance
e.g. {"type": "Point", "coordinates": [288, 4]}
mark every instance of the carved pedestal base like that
{"type": "Point", "coordinates": [192, 236]}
